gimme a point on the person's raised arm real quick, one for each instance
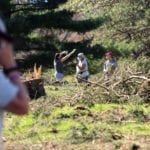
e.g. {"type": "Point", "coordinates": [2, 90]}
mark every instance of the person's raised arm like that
{"type": "Point", "coordinates": [68, 55]}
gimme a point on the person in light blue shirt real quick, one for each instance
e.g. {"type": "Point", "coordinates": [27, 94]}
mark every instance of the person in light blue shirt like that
{"type": "Point", "coordinates": [110, 65]}
{"type": "Point", "coordinates": [13, 94]}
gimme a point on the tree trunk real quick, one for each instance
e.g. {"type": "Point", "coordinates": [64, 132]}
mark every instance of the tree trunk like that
{"type": "Point", "coordinates": [35, 88]}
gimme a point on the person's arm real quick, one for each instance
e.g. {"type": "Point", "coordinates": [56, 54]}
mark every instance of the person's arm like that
{"type": "Point", "coordinates": [105, 68]}
{"type": "Point", "coordinates": [19, 103]}
{"type": "Point", "coordinates": [68, 55]}
{"type": "Point", "coordinates": [82, 67]}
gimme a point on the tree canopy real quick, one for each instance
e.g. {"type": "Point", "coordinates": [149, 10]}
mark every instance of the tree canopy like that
{"type": "Point", "coordinates": [44, 26]}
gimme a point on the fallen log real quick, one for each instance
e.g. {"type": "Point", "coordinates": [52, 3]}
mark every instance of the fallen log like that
{"type": "Point", "coordinates": [137, 77]}
{"type": "Point", "coordinates": [94, 83]}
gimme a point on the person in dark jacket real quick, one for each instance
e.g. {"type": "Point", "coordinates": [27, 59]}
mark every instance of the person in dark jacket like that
{"type": "Point", "coordinates": [59, 59]}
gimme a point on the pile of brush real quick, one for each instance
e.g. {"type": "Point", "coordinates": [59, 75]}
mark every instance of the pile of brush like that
{"type": "Point", "coordinates": [126, 84]}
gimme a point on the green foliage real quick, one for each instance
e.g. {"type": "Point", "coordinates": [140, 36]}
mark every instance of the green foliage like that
{"type": "Point", "coordinates": [5, 7]}
{"type": "Point", "coordinates": [129, 21]}
{"type": "Point", "coordinates": [121, 26]}
{"type": "Point", "coordinates": [127, 25]}
{"type": "Point", "coordinates": [75, 113]}
{"type": "Point", "coordinates": [143, 65]}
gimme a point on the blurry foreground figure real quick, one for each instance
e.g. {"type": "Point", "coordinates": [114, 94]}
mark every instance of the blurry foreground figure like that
{"type": "Point", "coordinates": [82, 72]}
{"type": "Point", "coordinates": [13, 95]}
{"type": "Point", "coordinates": [110, 65]}
{"type": "Point", "coordinates": [59, 59]}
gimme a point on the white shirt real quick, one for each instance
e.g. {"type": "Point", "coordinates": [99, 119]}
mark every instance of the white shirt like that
{"type": "Point", "coordinates": [109, 63]}
{"type": "Point", "coordinates": [82, 72]}
{"type": "Point", "coordinates": [7, 92]}
{"type": "Point", "coordinates": [108, 67]}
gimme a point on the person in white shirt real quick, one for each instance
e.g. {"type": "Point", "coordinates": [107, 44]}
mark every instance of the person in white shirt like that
{"type": "Point", "coordinates": [110, 65]}
{"type": "Point", "coordinates": [82, 72]}
{"type": "Point", "coordinates": [13, 94]}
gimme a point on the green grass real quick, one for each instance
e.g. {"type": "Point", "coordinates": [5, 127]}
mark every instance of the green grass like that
{"type": "Point", "coordinates": [67, 124]}
{"type": "Point", "coordinates": [134, 128]}
{"type": "Point", "coordinates": [103, 107]}
{"type": "Point", "coordinates": [61, 118]}
{"type": "Point", "coordinates": [40, 127]}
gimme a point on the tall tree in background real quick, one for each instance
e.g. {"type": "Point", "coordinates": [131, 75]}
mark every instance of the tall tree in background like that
{"type": "Point", "coordinates": [5, 7]}
{"type": "Point", "coordinates": [130, 24]}
{"type": "Point", "coordinates": [36, 25]}
{"type": "Point", "coordinates": [122, 25]}
{"type": "Point", "coordinates": [127, 26]}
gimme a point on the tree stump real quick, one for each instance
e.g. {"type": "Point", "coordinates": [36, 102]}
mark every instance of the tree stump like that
{"type": "Point", "coordinates": [35, 88]}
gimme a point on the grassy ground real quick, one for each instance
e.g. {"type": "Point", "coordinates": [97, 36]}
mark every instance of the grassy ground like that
{"type": "Point", "coordinates": [63, 120]}
{"type": "Point", "coordinates": [78, 117]}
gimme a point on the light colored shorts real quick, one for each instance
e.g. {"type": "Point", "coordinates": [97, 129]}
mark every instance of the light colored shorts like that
{"type": "Point", "coordinates": [59, 76]}
{"type": "Point", "coordinates": [83, 75]}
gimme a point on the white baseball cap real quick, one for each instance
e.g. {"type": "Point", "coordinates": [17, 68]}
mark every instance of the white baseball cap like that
{"type": "Point", "coordinates": [80, 55]}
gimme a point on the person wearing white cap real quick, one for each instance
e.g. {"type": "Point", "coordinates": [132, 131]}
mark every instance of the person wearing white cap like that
{"type": "Point", "coordinates": [13, 95]}
{"type": "Point", "coordinates": [82, 72]}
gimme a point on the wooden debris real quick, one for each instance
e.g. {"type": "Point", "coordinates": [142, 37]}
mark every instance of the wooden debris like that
{"type": "Point", "coordinates": [34, 83]}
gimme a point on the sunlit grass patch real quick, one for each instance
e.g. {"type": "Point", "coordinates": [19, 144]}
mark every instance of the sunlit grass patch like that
{"type": "Point", "coordinates": [54, 91]}
{"type": "Point", "coordinates": [103, 107]}
{"type": "Point", "coordinates": [135, 128]}
{"type": "Point", "coordinates": [64, 110]}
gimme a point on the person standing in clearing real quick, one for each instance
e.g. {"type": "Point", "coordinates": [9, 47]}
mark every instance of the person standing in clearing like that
{"type": "Point", "coordinates": [110, 65]}
{"type": "Point", "coordinates": [82, 72]}
{"type": "Point", "coordinates": [13, 95]}
{"type": "Point", "coordinates": [59, 59]}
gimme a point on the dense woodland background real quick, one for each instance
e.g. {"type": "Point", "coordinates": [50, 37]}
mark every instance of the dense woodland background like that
{"type": "Point", "coordinates": [41, 27]}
